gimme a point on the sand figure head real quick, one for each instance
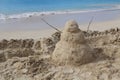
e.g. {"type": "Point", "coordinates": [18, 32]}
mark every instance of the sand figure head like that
{"type": "Point", "coordinates": [71, 26]}
{"type": "Point", "coordinates": [72, 33]}
{"type": "Point", "coordinates": [72, 47]}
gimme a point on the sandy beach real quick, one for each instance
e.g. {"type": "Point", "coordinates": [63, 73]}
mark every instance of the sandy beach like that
{"type": "Point", "coordinates": [34, 27]}
{"type": "Point", "coordinates": [71, 55]}
{"type": "Point", "coordinates": [36, 34]}
{"type": "Point", "coordinates": [59, 39]}
{"type": "Point", "coordinates": [103, 25]}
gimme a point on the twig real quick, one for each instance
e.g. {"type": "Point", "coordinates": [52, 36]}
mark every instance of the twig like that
{"type": "Point", "coordinates": [50, 25]}
{"type": "Point", "coordinates": [90, 23]}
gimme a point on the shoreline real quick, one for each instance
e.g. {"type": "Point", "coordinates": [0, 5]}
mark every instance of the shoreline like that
{"type": "Point", "coordinates": [34, 27]}
{"type": "Point", "coordinates": [33, 14]}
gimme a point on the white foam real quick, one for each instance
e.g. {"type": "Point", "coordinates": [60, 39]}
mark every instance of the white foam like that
{"type": "Point", "coordinates": [2, 16]}
{"type": "Point", "coordinates": [118, 6]}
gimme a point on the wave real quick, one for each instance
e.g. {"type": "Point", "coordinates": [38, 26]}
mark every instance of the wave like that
{"type": "Point", "coordinates": [31, 14]}
{"type": "Point", "coordinates": [117, 6]}
{"type": "Point", "coordinates": [2, 16]}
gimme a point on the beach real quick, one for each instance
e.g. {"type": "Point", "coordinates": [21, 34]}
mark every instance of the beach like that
{"type": "Point", "coordinates": [29, 52]}
{"type": "Point", "coordinates": [31, 25]}
{"type": "Point", "coordinates": [59, 39]}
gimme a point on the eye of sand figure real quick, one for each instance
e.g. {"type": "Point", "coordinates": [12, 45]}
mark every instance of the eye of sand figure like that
{"type": "Point", "coordinates": [73, 27]}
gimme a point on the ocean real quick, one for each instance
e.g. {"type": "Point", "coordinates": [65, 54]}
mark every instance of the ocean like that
{"type": "Point", "coordinates": [9, 7]}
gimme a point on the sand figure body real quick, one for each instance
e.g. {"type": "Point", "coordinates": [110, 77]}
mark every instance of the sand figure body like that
{"type": "Point", "coordinates": [72, 47]}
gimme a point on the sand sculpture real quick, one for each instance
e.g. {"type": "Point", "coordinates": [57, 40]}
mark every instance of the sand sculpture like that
{"type": "Point", "coordinates": [47, 45]}
{"type": "Point", "coordinates": [72, 47]}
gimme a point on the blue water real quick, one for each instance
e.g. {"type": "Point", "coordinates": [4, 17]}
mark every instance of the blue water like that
{"type": "Point", "coordinates": [23, 6]}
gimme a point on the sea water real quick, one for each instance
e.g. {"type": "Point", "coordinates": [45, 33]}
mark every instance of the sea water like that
{"type": "Point", "coordinates": [24, 6]}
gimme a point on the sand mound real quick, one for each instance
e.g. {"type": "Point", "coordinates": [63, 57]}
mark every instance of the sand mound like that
{"type": "Point", "coordinates": [72, 47]}
{"type": "Point", "coordinates": [30, 59]}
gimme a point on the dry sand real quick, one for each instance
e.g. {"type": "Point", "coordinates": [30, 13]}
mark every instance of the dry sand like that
{"type": "Point", "coordinates": [104, 25]}
{"type": "Point", "coordinates": [31, 59]}
{"type": "Point", "coordinates": [35, 34]}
